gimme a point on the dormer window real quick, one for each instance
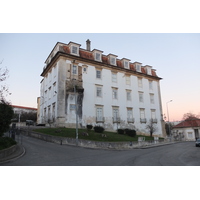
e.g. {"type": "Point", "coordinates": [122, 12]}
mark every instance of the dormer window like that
{"type": "Point", "coordinates": [97, 55]}
{"type": "Point", "coordinates": [112, 59]}
{"type": "Point", "coordinates": [125, 63]}
{"type": "Point", "coordinates": [138, 66]}
{"type": "Point", "coordinates": [74, 48]}
{"type": "Point", "coordinates": [148, 69]}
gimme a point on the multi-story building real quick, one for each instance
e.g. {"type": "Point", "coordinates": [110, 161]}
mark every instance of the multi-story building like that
{"type": "Point", "coordinates": [111, 92]}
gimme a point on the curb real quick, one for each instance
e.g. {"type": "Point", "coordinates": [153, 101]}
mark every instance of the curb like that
{"type": "Point", "coordinates": [15, 155]}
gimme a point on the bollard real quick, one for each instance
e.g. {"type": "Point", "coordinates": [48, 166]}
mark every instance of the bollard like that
{"type": "Point", "coordinates": [60, 142]}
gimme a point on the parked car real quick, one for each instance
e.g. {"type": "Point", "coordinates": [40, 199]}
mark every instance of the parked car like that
{"type": "Point", "coordinates": [198, 142]}
{"type": "Point", "coordinates": [29, 122]}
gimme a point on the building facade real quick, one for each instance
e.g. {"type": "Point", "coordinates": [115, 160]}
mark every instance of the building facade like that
{"type": "Point", "coordinates": [110, 92]}
{"type": "Point", "coordinates": [188, 129]}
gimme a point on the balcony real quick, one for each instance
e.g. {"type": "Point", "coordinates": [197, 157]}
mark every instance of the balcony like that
{"type": "Point", "coordinates": [154, 120]}
{"type": "Point", "coordinates": [143, 120]}
{"type": "Point", "coordinates": [130, 120]}
{"type": "Point", "coordinates": [116, 119]}
{"type": "Point", "coordinates": [100, 119]}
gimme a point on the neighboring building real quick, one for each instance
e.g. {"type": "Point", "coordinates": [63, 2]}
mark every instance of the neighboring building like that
{"type": "Point", "coordinates": [23, 109]}
{"type": "Point", "coordinates": [111, 92]}
{"type": "Point", "coordinates": [189, 129]}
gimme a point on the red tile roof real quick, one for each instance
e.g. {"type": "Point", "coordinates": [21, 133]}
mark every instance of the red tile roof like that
{"type": "Point", "coordinates": [190, 122]}
{"type": "Point", "coordinates": [23, 107]}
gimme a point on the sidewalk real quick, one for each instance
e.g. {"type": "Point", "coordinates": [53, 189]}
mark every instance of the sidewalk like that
{"type": "Point", "coordinates": [20, 151]}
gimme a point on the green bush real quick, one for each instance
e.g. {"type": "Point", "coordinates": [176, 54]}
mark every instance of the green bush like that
{"type": "Point", "coordinates": [98, 129]}
{"type": "Point", "coordinates": [89, 127]}
{"type": "Point", "coordinates": [131, 133]}
{"type": "Point", "coordinates": [120, 131]}
{"type": "Point", "coordinates": [6, 142]}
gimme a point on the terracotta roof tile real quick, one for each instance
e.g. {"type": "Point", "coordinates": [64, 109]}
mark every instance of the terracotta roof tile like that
{"type": "Point", "coordinates": [88, 55]}
{"type": "Point", "coordinates": [190, 122]}
{"type": "Point", "coordinates": [119, 64]}
{"type": "Point", "coordinates": [105, 59]}
{"type": "Point", "coordinates": [66, 49]}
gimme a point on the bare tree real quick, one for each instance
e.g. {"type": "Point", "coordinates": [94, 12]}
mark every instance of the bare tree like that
{"type": "Point", "coordinates": [3, 76]}
{"type": "Point", "coordinates": [151, 127]}
{"type": "Point", "coordinates": [187, 116]}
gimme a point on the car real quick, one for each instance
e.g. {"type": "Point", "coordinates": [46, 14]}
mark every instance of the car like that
{"type": "Point", "coordinates": [198, 142]}
{"type": "Point", "coordinates": [29, 122]}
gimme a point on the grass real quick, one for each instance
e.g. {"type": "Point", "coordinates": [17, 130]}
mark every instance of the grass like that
{"type": "Point", "coordinates": [71, 133]}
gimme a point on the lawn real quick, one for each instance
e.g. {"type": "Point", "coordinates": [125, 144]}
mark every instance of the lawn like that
{"type": "Point", "coordinates": [71, 133]}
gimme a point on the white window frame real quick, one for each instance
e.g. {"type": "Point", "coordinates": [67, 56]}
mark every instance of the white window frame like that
{"type": "Point", "coordinates": [128, 95]}
{"type": "Point", "coordinates": [98, 91]}
{"type": "Point", "coordinates": [142, 115]}
{"type": "Point", "coordinates": [97, 56]}
{"type": "Point", "coordinates": [76, 69]}
{"type": "Point", "coordinates": [128, 80]}
{"type": "Point", "coordinates": [126, 64]}
{"type": "Point", "coordinates": [112, 60]}
{"type": "Point", "coordinates": [99, 115]}
{"type": "Point", "coordinates": [115, 93]}
{"type": "Point", "coordinates": [140, 84]}
{"type": "Point", "coordinates": [98, 74]}
{"type": "Point", "coordinates": [150, 85]}
{"type": "Point", "coordinates": [74, 50]}
{"type": "Point", "coordinates": [138, 67]}
{"type": "Point", "coordinates": [114, 77]}
{"type": "Point", "coordinates": [152, 99]}
{"type": "Point", "coordinates": [141, 97]}
{"type": "Point", "coordinates": [115, 111]}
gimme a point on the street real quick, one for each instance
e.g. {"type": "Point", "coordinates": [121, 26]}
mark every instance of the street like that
{"type": "Point", "coordinates": [41, 153]}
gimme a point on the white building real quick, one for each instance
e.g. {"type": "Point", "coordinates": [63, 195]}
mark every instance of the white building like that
{"type": "Point", "coordinates": [111, 92]}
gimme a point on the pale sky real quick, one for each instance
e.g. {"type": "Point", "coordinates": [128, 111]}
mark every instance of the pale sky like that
{"type": "Point", "coordinates": [163, 35]}
{"type": "Point", "coordinates": [176, 57]}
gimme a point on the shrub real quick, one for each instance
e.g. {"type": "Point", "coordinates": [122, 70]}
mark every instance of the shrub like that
{"type": "Point", "coordinates": [120, 131]}
{"type": "Point", "coordinates": [6, 142]}
{"type": "Point", "coordinates": [98, 129]}
{"type": "Point", "coordinates": [89, 127]}
{"type": "Point", "coordinates": [131, 133]}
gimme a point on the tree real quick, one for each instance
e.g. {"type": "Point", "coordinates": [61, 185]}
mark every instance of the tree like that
{"type": "Point", "coordinates": [151, 127]}
{"type": "Point", "coordinates": [6, 114]}
{"type": "Point", "coordinates": [187, 116]}
{"type": "Point", "coordinates": [3, 77]}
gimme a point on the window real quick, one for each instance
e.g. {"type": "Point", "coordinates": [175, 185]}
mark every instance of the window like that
{"type": "Point", "coordinates": [114, 77]}
{"type": "Point", "coordinates": [49, 93]}
{"type": "Point", "coordinates": [54, 89]}
{"type": "Point", "coordinates": [152, 98]}
{"type": "Point", "coordinates": [126, 64]}
{"type": "Point", "coordinates": [128, 80]}
{"type": "Point", "coordinates": [140, 83]}
{"type": "Point", "coordinates": [151, 85]}
{"type": "Point", "coordinates": [114, 93]}
{"type": "Point", "coordinates": [116, 114]}
{"type": "Point", "coordinates": [97, 56]}
{"type": "Point", "coordinates": [98, 74]}
{"type": "Point", "coordinates": [99, 114]}
{"type": "Point", "coordinates": [138, 68]}
{"type": "Point", "coordinates": [74, 50]}
{"type": "Point", "coordinates": [99, 91]}
{"type": "Point", "coordinates": [112, 60]}
{"type": "Point", "coordinates": [142, 115]}
{"type": "Point", "coordinates": [74, 69]}
{"type": "Point", "coordinates": [128, 95]}
{"type": "Point", "coordinates": [53, 111]}
{"type": "Point", "coordinates": [130, 115]}
{"type": "Point", "coordinates": [190, 135]}
{"type": "Point", "coordinates": [141, 100]}
{"type": "Point", "coordinates": [153, 115]}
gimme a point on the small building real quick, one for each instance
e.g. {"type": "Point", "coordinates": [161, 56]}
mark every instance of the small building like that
{"type": "Point", "coordinates": [189, 129]}
{"type": "Point", "coordinates": [23, 109]}
{"type": "Point", "coordinates": [99, 89]}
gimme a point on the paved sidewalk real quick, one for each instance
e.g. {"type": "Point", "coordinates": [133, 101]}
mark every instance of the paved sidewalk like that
{"type": "Point", "coordinates": [17, 154]}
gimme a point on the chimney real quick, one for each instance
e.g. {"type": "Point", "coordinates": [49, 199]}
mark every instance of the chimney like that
{"type": "Point", "coordinates": [88, 45]}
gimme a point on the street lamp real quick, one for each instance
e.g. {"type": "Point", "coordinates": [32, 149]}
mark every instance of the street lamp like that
{"type": "Point", "coordinates": [168, 117]}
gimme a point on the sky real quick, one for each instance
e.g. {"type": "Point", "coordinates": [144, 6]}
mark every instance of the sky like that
{"type": "Point", "coordinates": [175, 56]}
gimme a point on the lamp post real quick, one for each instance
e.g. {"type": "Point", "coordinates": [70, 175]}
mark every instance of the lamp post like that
{"type": "Point", "coordinates": [168, 117]}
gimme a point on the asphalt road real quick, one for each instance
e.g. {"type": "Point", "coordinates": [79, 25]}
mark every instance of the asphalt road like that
{"type": "Point", "coordinates": [41, 153]}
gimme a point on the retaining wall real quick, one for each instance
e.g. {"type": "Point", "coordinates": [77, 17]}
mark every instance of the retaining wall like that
{"type": "Point", "coordinates": [6, 152]}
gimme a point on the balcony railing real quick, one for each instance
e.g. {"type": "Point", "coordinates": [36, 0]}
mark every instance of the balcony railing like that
{"type": "Point", "coordinates": [100, 119]}
{"type": "Point", "coordinates": [116, 119]}
{"type": "Point", "coordinates": [130, 120]}
{"type": "Point", "coordinates": [143, 120]}
{"type": "Point", "coordinates": [154, 120]}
